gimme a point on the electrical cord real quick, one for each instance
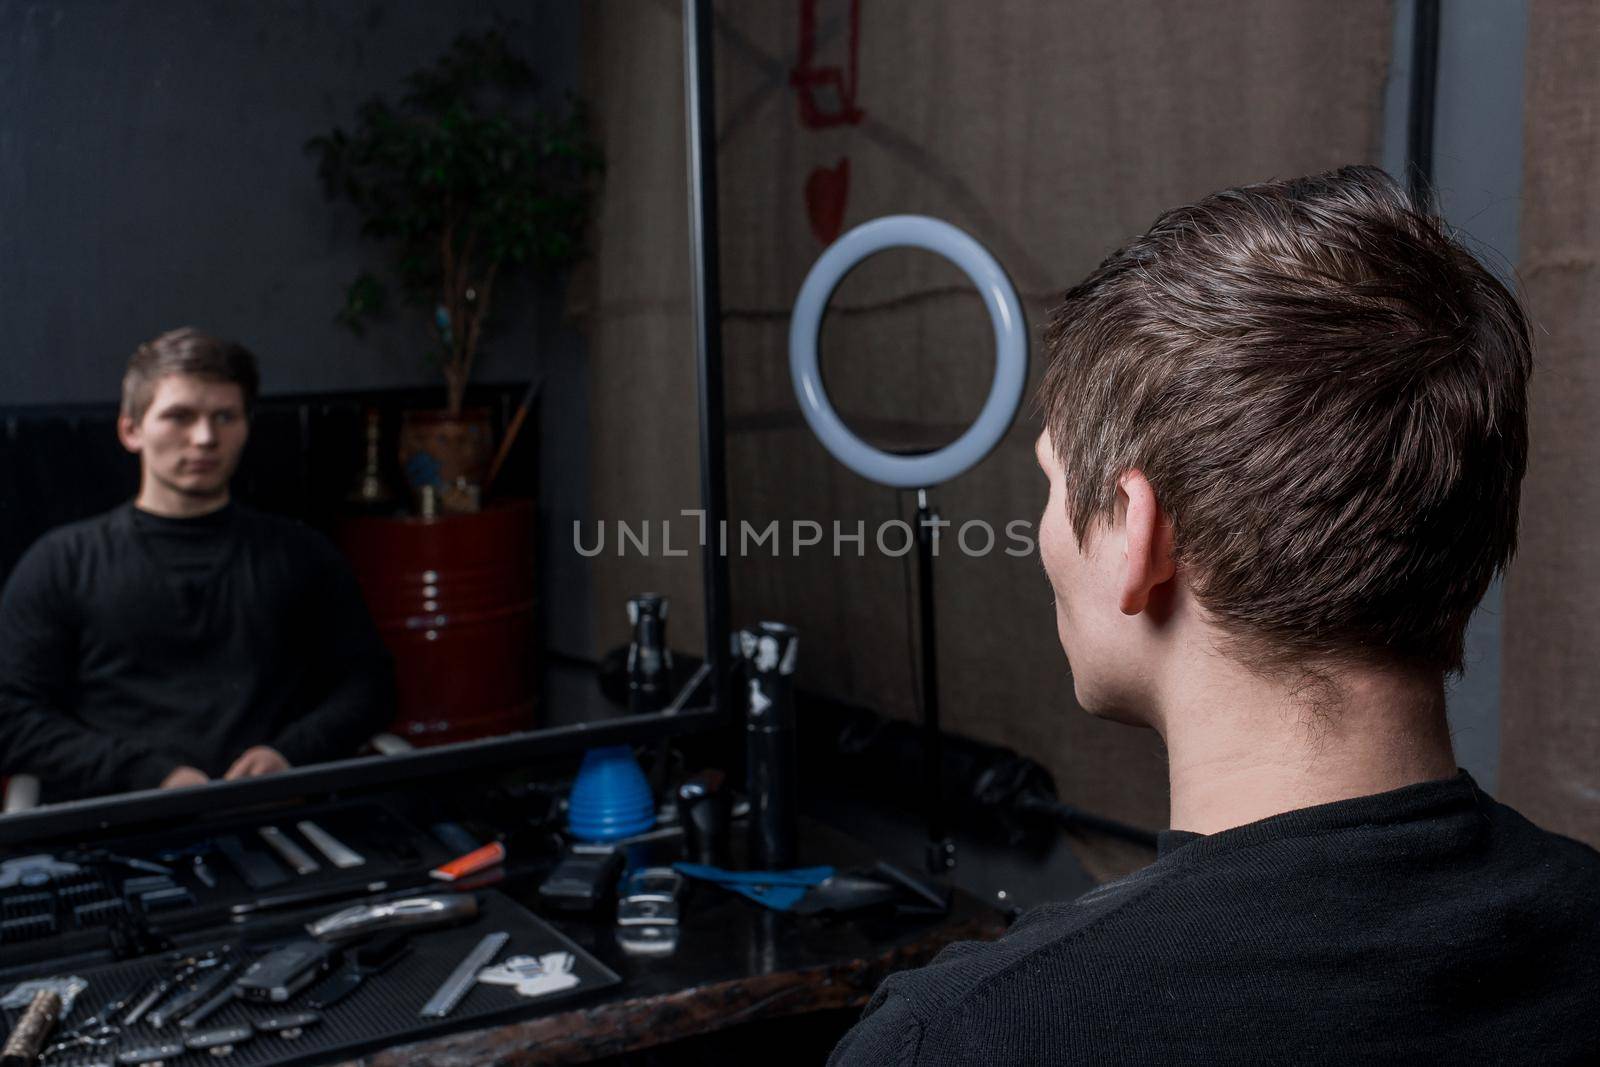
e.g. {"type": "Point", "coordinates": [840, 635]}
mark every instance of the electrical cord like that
{"type": "Point", "coordinates": [1072, 817]}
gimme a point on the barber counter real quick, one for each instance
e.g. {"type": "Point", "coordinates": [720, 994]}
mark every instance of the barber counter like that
{"type": "Point", "coordinates": [437, 926]}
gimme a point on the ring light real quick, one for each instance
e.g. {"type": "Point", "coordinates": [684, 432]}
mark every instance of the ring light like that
{"type": "Point", "coordinates": [1010, 340]}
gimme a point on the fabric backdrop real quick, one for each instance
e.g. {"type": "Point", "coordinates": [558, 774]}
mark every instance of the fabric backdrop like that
{"type": "Point", "coordinates": [1051, 132]}
{"type": "Point", "coordinates": [1550, 680]}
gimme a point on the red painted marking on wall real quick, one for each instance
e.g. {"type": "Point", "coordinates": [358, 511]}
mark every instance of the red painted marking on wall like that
{"type": "Point", "coordinates": [827, 94]}
{"type": "Point", "coordinates": [827, 189]}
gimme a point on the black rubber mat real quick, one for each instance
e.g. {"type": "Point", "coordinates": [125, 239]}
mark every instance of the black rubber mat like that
{"type": "Point", "coordinates": [70, 915]}
{"type": "Point", "coordinates": [383, 1011]}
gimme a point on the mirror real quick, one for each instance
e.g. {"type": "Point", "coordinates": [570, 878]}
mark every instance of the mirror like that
{"type": "Point", "coordinates": [474, 436]}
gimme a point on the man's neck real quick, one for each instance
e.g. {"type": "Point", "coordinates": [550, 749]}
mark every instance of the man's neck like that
{"type": "Point", "coordinates": [170, 504]}
{"type": "Point", "coordinates": [1240, 749]}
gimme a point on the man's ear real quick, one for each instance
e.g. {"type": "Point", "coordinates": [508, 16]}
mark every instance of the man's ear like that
{"type": "Point", "coordinates": [1146, 546]}
{"type": "Point", "coordinates": [128, 432]}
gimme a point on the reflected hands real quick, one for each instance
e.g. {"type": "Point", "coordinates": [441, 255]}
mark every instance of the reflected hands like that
{"type": "Point", "coordinates": [179, 777]}
{"type": "Point", "coordinates": [255, 762]}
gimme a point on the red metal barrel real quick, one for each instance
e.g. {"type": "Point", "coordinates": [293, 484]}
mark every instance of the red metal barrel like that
{"type": "Point", "coordinates": [453, 597]}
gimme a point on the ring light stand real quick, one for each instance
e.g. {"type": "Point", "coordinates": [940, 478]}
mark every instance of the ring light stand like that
{"type": "Point", "coordinates": [924, 471]}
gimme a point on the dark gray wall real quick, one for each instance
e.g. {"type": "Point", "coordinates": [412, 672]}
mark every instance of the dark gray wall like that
{"type": "Point", "coordinates": [152, 174]}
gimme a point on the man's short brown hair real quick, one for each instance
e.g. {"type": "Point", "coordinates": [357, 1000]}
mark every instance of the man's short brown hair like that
{"type": "Point", "coordinates": [190, 352]}
{"type": "Point", "coordinates": [1328, 394]}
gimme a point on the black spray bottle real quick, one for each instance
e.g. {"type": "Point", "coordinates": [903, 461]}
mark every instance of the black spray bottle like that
{"type": "Point", "coordinates": [768, 653]}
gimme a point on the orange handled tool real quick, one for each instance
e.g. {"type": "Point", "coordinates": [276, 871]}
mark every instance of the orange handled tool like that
{"type": "Point", "coordinates": [479, 859]}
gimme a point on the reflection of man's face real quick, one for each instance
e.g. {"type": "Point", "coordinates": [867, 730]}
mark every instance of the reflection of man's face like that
{"type": "Point", "coordinates": [191, 436]}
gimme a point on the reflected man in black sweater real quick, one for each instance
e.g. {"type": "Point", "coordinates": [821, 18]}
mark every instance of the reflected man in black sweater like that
{"type": "Point", "coordinates": [1285, 433]}
{"type": "Point", "coordinates": [182, 637]}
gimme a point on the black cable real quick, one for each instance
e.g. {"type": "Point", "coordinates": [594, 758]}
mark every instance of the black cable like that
{"type": "Point", "coordinates": [1072, 817]}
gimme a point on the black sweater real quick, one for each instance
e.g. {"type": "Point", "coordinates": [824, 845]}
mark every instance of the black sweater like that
{"type": "Point", "coordinates": [131, 644]}
{"type": "Point", "coordinates": [1429, 924]}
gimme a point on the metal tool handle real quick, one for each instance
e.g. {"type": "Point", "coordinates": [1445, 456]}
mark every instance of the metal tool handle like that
{"type": "Point", "coordinates": [449, 994]}
{"type": "Point", "coordinates": [339, 854]}
{"type": "Point", "coordinates": [416, 911]}
{"type": "Point", "coordinates": [222, 999]}
{"type": "Point", "coordinates": [295, 856]}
